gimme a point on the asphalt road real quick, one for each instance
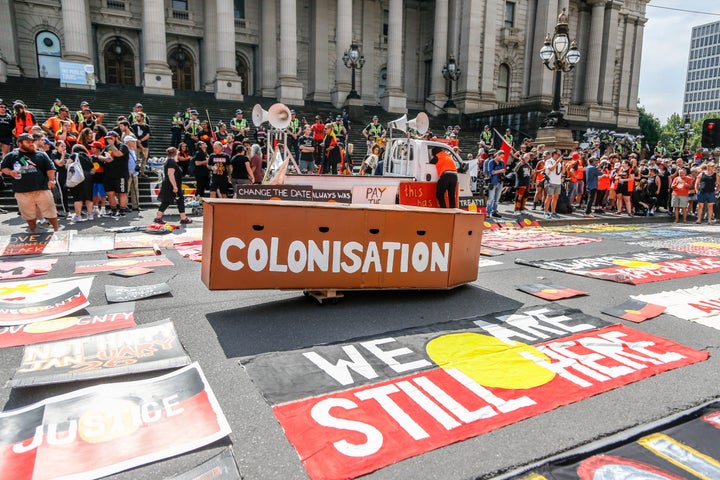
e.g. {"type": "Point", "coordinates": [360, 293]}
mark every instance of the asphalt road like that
{"type": "Point", "coordinates": [218, 328]}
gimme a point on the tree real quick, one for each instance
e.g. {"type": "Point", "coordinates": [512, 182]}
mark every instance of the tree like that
{"type": "Point", "coordinates": [649, 127]}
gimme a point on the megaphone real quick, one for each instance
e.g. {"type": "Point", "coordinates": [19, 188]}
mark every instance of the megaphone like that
{"type": "Point", "coordinates": [259, 115]}
{"type": "Point", "coordinates": [421, 123]}
{"type": "Point", "coordinates": [279, 116]}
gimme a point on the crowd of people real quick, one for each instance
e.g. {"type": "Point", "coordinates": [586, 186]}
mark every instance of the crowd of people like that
{"type": "Point", "coordinates": [600, 181]}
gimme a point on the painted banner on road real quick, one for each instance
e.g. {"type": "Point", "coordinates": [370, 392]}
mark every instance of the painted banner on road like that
{"type": "Point", "coordinates": [35, 243]}
{"type": "Point", "coordinates": [154, 346]}
{"type": "Point", "coordinates": [36, 300]}
{"type": "Point", "coordinates": [97, 431]}
{"type": "Point", "coordinates": [15, 269]}
{"type": "Point", "coordinates": [220, 467]}
{"type": "Point", "coordinates": [523, 239]}
{"type": "Point", "coordinates": [697, 304]}
{"type": "Point", "coordinates": [98, 319]}
{"type": "Point", "coordinates": [634, 268]}
{"type": "Point", "coordinates": [550, 291]}
{"type": "Point", "coordinates": [690, 449]}
{"type": "Point", "coordinates": [115, 293]}
{"type": "Point", "coordinates": [352, 408]}
{"type": "Point", "coordinates": [706, 246]}
{"type": "Point", "coordinates": [634, 311]}
{"type": "Point", "coordinates": [93, 266]}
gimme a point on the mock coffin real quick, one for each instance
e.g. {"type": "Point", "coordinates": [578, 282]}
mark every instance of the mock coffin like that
{"type": "Point", "coordinates": [314, 246]}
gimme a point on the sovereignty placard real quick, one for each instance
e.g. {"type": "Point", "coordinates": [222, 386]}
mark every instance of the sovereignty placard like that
{"type": "Point", "coordinates": [154, 346]}
{"type": "Point", "coordinates": [97, 431]}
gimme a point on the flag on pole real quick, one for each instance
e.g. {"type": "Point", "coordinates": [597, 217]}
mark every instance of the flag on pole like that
{"type": "Point", "coordinates": [504, 146]}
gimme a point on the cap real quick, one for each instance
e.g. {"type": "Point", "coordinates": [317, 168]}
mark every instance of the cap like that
{"type": "Point", "coordinates": [58, 100]}
{"type": "Point", "coordinates": [292, 112]}
{"type": "Point", "coordinates": [84, 103]}
{"type": "Point", "coordinates": [24, 137]}
{"type": "Point", "coordinates": [492, 151]}
{"type": "Point", "coordinates": [375, 117]}
{"type": "Point", "coordinates": [237, 112]}
{"type": "Point", "coordinates": [64, 108]}
{"type": "Point", "coordinates": [487, 126]}
{"type": "Point", "coordinates": [194, 112]}
{"type": "Point", "coordinates": [138, 105]}
{"type": "Point", "coordinates": [575, 156]}
{"type": "Point", "coordinates": [96, 144]}
{"type": "Point", "coordinates": [47, 141]}
{"type": "Point", "coordinates": [112, 133]}
{"type": "Point", "coordinates": [2, 102]}
{"type": "Point", "coordinates": [338, 118]}
{"type": "Point", "coordinates": [18, 103]}
{"type": "Point", "coordinates": [129, 138]}
{"type": "Point", "coordinates": [456, 127]}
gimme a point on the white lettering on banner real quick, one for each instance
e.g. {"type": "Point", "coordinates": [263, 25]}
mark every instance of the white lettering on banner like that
{"type": "Point", "coordinates": [321, 414]}
{"type": "Point", "coordinates": [340, 371]}
{"type": "Point", "coordinates": [105, 422]}
{"type": "Point", "coordinates": [335, 257]}
{"type": "Point", "coordinates": [532, 322]}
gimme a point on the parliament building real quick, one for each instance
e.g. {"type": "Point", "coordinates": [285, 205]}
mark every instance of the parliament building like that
{"type": "Point", "coordinates": [292, 51]}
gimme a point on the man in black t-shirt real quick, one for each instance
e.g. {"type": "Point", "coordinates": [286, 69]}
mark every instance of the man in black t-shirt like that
{"type": "Point", "coordinates": [218, 163]}
{"type": "Point", "coordinates": [116, 173]}
{"type": "Point", "coordinates": [240, 171]}
{"type": "Point", "coordinates": [33, 178]}
{"type": "Point", "coordinates": [306, 145]}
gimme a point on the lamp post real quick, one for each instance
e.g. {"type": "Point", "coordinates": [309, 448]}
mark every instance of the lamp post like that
{"type": "Point", "coordinates": [560, 55]}
{"type": "Point", "coordinates": [450, 72]}
{"type": "Point", "coordinates": [686, 130]}
{"type": "Point", "coordinates": [354, 60]}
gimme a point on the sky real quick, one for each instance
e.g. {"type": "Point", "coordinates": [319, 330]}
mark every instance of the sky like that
{"type": "Point", "coordinates": [666, 45]}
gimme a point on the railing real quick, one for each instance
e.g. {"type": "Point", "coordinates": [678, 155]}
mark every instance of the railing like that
{"type": "Point", "coordinates": [240, 23]}
{"type": "Point", "coordinates": [115, 4]}
{"type": "Point", "coordinates": [435, 104]}
{"type": "Point", "coordinates": [180, 14]}
{"type": "Point", "coordinates": [577, 110]}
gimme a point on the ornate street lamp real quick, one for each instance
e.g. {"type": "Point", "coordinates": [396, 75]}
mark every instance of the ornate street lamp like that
{"type": "Point", "coordinates": [560, 55]}
{"type": "Point", "coordinates": [686, 130]}
{"type": "Point", "coordinates": [450, 72]}
{"type": "Point", "coordinates": [354, 60]}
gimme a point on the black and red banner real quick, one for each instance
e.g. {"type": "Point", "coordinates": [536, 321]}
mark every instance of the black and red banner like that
{"type": "Point", "coordinates": [526, 238]}
{"type": "Point", "coordinates": [153, 346]}
{"type": "Point", "coordinates": [633, 268]}
{"type": "Point", "coordinates": [35, 243]}
{"type": "Point", "coordinates": [690, 448]}
{"type": "Point", "coordinates": [14, 269]}
{"type": "Point", "coordinates": [352, 408]}
{"type": "Point", "coordinates": [635, 311]}
{"type": "Point", "coordinates": [93, 266]}
{"type": "Point", "coordinates": [549, 291]}
{"type": "Point", "coordinates": [98, 319]}
{"type": "Point", "coordinates": [36, 300]}
{"type": "Point", "coordinates": [97, 431]}
{"type": "Point", "coordinates": [220, 467]}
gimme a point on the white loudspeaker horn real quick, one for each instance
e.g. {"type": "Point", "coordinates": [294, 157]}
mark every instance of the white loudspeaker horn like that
{"type": "Point", "coordinates": [279, 116]}
{"type": "Point", "coordinates": [259, 115]}
{"type": "Point", "coordinates": [421, 123]}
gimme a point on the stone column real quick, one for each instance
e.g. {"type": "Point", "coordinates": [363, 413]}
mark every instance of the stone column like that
{"type": "Point", "coordinates": [9, 57]}
{"type": "Point", "coordinates": [268, 48]}
{"type": "Point", "coordinates": [635, 70]}
{"type": "Point", "coordinates": [595, 48]}
{"type": "Point", "coordinates": [628, 44]}
{"type": "Point", "coordinates": [488, 72]}
{"type": "Point", "coordinates": [157, 77]}
{"type": "Point", "coordinates": [394, 99]}
{"type": "Point", "coordinates": [541, 79]}
{"type": "Point", "coordinates": [607, 76]}
{"type": "Point", "coordinates": [473, 19]}
{"type": "Point", "coordinates": [289, 89]}
{"type": "Point", "coordinates": [343, 39]}
{"type": "Point", "coordinates": [438, 93]}
{"type": "Point", "coordinates": [228, 85]}
{"type": "Point", "coordinates": [77, 38]}
{"type": "Point", "coordinates": [319, 87]}
{"type": "Point", "coordinates": [209, 58]}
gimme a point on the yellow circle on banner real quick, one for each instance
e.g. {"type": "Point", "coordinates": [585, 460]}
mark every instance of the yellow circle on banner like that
{"type": "Point", "coordinates": [490, 361]}
{"type": "Point", "coordinates": [51, 325]}
{"type": "Point", "coordinates": [112, 419]}
{"type": "Point", "coordinates": [705, 244]}
{"type": "Point", "coordinates": [527, 221]}
{"type": "Point", "coordinates": [635, 264]}
{"type": "Point", "coordinates": [634, 312]}
{"type": "Point", "coordinates": [548, 290]}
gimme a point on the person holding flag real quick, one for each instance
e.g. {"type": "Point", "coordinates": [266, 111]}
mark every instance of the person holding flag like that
{"type": "Point", "coordinates": [496, 171]}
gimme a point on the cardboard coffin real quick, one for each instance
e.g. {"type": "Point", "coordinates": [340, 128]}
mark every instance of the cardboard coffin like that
{"type": "Point", "coordinates": [259, 244]}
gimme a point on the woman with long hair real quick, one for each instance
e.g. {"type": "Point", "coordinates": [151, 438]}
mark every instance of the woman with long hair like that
{"type": "Point", "coordinates": [331, 150]}
{"type": "Point", "coordinates": [83, 192]}
{"type": "Point", "coordinates": [201, 172]}
{"type": "Point", "coordinates": [183, 158]}
{"type": "Point", "coordinates": [171, 188]}
{"type": "Point", "coordinates": [86, 138]}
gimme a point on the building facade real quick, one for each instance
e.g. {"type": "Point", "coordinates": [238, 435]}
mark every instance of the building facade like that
{"type": "Point", "coordinates": [702, 84]}
{"type": "Point", "coordinates": [292, 50]}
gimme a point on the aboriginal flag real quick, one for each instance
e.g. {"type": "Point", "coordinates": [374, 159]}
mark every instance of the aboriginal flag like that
{"type": "Point", "coordinates": [550, 292]}
{"type": "Point", "coordinates": [635, 311]}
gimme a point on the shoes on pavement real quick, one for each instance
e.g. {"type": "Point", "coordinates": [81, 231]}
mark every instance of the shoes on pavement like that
{"type": "Point", "coordinates": [90, 217]}
{"type": "Point", "coordinates": [103, 211]}
{"type": "Point", "coordinates": [588, 215]}
{"type": "Point", "coordinates": [496, 215]}
{"type": "Point", "coordinates": [185, 220]}
{"type": "Point", "coordinates": [548, 216]}
{"type": "Point", "coordinates": [76, 219]}
{"type": "Point", "coordinates": [158, 220]}
{"type": "Point", "coordinates": [554, 215]}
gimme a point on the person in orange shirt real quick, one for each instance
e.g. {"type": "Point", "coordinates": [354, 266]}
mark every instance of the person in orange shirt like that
{"type": "Point", "coordinates": [447, 177]}
{"type": "Point", "coordinates": [53, 124]}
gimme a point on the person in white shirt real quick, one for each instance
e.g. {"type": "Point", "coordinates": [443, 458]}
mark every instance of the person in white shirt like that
{"type": "Point", "coordinates": [553, 173]}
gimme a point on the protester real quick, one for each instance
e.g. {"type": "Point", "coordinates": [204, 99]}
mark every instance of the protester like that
{"type": "Point", "coordinates": [447, 177]}
{"type": "Point", "coordinates": [171, 189]}
{"type": "Point", "coordinates": [83, 192]}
